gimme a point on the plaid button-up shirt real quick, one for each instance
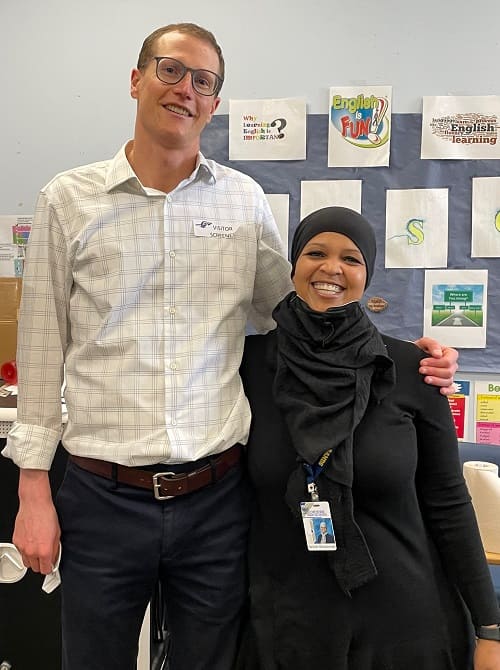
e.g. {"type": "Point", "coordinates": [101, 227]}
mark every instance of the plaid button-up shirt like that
{"type": "Point", "coordinates": [139, 300]}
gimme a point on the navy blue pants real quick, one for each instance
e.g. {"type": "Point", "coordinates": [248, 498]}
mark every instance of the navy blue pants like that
{"type": "Point", "coordinates": [118, 541]}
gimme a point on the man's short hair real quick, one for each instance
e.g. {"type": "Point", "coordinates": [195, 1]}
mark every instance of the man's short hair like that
{"type": "Point", "coordinates": [148, 47]}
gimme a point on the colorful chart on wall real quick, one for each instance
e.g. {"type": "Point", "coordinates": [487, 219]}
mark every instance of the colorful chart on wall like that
{"type": "Point", "coordinates": [460, 409]}
{"type": "Point", "coordinates": [487, 412]}
{"type": "Point", "coordinates": [14, 234]}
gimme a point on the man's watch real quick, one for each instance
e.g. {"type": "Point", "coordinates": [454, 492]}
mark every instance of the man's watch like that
{"type": "Point", "coordinates": [488, 632]}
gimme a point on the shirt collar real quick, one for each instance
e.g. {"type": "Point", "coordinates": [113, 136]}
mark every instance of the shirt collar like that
{"type": "Point", "coordinates": [207, 168]}
{"type": "Point", "coordinates": [120, 172]}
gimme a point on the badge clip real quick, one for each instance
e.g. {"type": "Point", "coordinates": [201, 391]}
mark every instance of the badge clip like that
{"type": "Point", "coordinates": [312, 489]}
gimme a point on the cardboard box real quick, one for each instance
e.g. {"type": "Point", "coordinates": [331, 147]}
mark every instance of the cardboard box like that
{"type": "Point", "coordinates": [8, 341]}
{"type": "Point", "coordinates": [10, 297]}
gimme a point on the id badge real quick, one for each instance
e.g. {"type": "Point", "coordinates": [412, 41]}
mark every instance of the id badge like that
{"type": "Point", "coordinates": [318, 526]}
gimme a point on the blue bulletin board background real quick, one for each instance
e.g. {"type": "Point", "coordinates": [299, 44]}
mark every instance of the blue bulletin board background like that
{"type": "Point", "coordinates": [402, 288]}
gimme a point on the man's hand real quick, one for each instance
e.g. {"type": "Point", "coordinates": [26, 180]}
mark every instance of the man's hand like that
{"type": "Point", "coordinates": [37, 531]}
{"type": "Point", "coordinates": [487, 655]}
{"type": "Point", "coordinates": [440, 369]}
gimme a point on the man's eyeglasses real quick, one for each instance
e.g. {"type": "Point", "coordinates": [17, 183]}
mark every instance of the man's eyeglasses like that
{"type": "Point", "coordinates": [171, 71]}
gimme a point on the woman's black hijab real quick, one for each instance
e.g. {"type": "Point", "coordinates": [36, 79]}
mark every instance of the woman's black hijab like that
{"type": "Point", "coordinates": [330, 366]}
{"type": "Point", "coordinates": [337, 220]}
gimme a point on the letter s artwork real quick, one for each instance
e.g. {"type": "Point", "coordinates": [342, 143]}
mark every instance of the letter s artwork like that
{"type": "Point", "coordinates": [415, 228]}
{"type": "Point", "coordinates": [497, 221]}
{"type": "Point", "coordinates": [414, 232]}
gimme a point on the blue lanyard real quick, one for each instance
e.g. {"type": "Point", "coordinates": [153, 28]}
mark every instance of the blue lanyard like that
{"type": "Point", "coordinates": [313, 472]}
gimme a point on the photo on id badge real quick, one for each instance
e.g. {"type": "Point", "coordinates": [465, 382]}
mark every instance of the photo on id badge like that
{"type": "Point", "coordinates": [318, 526]}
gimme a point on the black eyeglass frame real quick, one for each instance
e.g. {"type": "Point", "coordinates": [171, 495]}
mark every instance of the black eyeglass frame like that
{"type": "Point", "coordinates": [193, 71]}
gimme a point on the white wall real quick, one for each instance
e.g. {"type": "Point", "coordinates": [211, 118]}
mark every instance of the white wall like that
{"type": "Point", "coordinates": [65, 65]}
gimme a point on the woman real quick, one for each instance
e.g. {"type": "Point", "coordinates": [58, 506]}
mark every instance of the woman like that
{"type": "Point", "coordinates": [342, 417]}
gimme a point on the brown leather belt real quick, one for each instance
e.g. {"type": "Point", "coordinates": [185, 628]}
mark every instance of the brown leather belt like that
{"type": "Point", "coordinates": [164, 484]}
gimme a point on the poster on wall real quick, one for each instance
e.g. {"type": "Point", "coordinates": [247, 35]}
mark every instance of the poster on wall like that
{"type": "Point", "coordinates": [488, 412]}
{"type": "Point", "coordinates": [416, 234]}
{"type": "Point", "coordinates": [14, 234]}
{"type": "Point", "coordinates": [455, 307]}
{"type": "Point", "coordinates": [327, 193]}
{"type": "Point", "coordinates": [279, 203]}
{"type": "Point", "coordinates": [273, 129]}
{"type": "Point", "coordinates": [485, 217]}
{"type": "Point", "coordinates": [359, 128]}
{"type": "Point", "coordinates": [460, 409]}
{"type": "Point", "coordinates": [460, 127]}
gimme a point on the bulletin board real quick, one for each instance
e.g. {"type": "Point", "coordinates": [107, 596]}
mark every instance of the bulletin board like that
{"type": "Point", "coordinates": [403, 289]}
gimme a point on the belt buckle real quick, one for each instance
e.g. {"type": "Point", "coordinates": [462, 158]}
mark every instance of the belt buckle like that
{"type": "Point", "coordinates": [157, 485]}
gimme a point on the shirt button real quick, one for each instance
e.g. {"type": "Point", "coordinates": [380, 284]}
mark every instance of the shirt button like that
{"type": "Point", "coordinates": [173, 366]}
{"type": "Point", "coordinates": [171, 254]}
{"type": "Point", "coordinates": [172, 310]}
{"type": "Point", "coordinates": [169, 198]}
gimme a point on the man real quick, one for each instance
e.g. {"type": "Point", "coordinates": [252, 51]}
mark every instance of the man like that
{"type": "Point", "coordinates": [324, 536]}
{"type": "Point", "coordinates": [134, 292]}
